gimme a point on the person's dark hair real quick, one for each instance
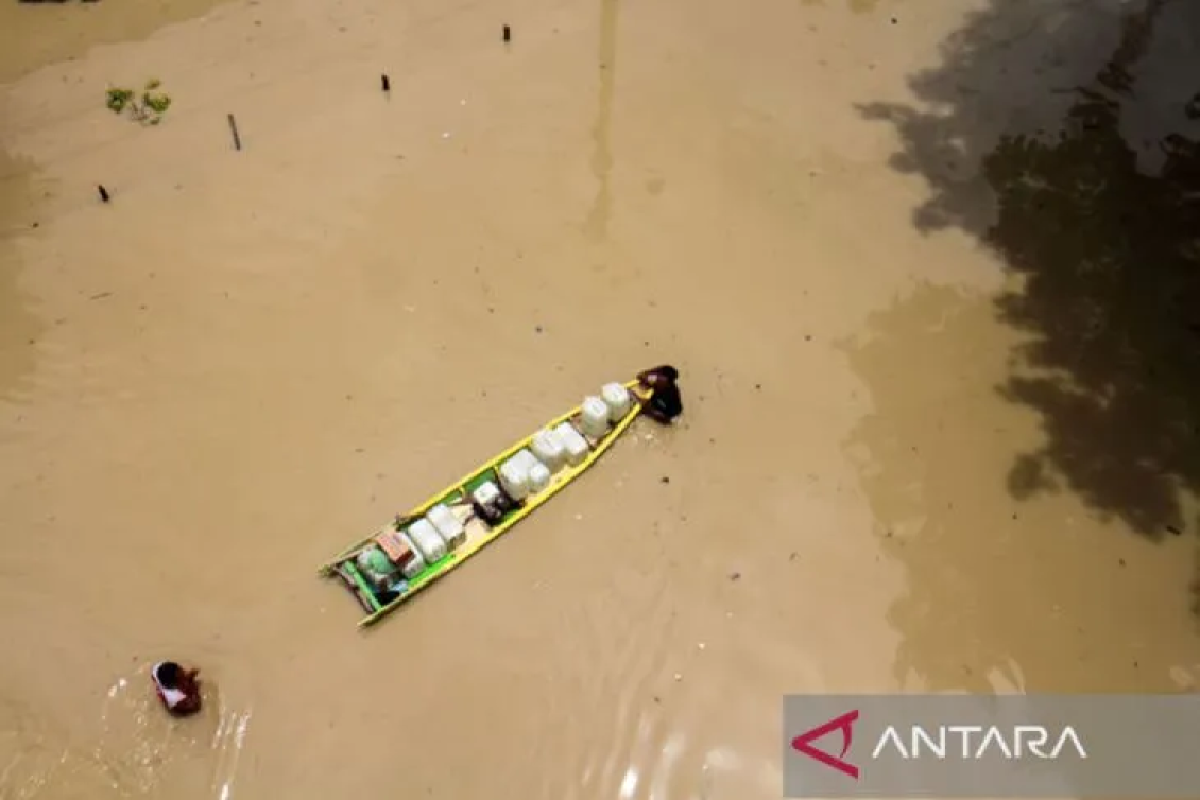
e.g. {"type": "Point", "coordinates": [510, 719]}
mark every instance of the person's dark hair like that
{"type": "Point", "coordinates": [168, 674]}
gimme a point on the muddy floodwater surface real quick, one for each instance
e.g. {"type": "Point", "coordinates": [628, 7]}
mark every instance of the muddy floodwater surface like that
{"type": "Point", "coordinates": [927, 269]}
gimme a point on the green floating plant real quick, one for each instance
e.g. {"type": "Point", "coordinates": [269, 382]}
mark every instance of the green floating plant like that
{"type": "Point", "coordinates": [147, 109]}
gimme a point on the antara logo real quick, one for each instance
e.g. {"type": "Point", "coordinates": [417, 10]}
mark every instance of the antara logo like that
{"type": "Point", "coordinates": [975, 742]}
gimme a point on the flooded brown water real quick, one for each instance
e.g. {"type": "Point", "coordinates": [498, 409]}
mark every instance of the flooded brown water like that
{"type": "Point", "coordinates": [247, 359]}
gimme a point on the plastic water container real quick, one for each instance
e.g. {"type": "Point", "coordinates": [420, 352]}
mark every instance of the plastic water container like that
{"type": "Point", "coordinates": [594, 417]}
{"type": "Point", "coordinates": [416, 564]}
{"type": "Point", "coordinates": [486, 494]}
{"type": "Point", "coordinates": [525, 457]}
{"type": "Point", "coordinates": [575, 447]}
{"type": "Point", "coordinates": [514, 474]}
{"type": "Point", "coordinates": [548, 450]}
{"type": "Point", "coordinates": [515, 479]}
{"type": "Point", "coordinates": [539, 478]}
{"type": "Point", "coordinates": [617, 398]}
{"type": "Point", "coordinates": [447, 525]}
{"type": "Point", "coordinates": [426, 538]}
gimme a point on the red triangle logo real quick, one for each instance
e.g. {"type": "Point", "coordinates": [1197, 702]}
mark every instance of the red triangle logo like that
{"type": "Point", "coordinates": [845, 723]}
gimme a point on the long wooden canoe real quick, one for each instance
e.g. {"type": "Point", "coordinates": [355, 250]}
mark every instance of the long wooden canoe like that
{"type": "Point", "coordinates": [378, 600]}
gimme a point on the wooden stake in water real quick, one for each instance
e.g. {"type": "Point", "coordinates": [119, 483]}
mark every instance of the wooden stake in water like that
{"type": "Point", "coordinates": [237, 140]}
{"type": "Point", "coordinates": [506, 33]}
{"type": "Point", "coordinates": [103, 194]}
{"type": "Point", "coordinates": [385, 83]}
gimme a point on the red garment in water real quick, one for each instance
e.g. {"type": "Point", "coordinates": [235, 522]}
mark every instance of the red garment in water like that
{"type": "Point", "coordinates": [176, 687]}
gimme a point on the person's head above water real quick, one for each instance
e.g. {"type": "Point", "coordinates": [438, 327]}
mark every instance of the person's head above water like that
{"type": "Point", "coordinates": [169, 674]}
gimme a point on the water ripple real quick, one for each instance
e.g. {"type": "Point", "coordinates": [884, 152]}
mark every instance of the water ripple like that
{"type": "Point", "coordinates": [138, 751]}
{"type": "Point", "coordinates": [228, 743]}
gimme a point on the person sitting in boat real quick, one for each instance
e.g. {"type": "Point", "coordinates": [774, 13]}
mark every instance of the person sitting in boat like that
{"type": "Point", "coordinates": [177, 687]}
{"type": "Point", "coordinates": [664, 403]}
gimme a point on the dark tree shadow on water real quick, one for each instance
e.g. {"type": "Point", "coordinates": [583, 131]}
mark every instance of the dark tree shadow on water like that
{"type": "Point", "coordinates": [1064, 136]}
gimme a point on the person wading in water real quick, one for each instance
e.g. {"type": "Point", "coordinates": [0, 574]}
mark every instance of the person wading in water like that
{"type": "Point", "coordinates": [664, 403]}
{"type": "Point", "coordinates": [176, 687]}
